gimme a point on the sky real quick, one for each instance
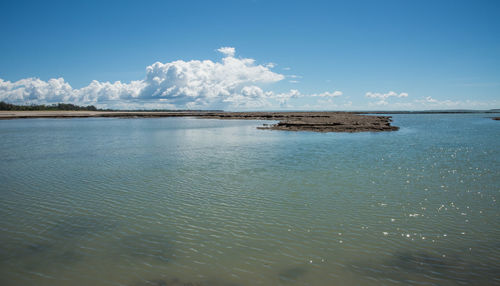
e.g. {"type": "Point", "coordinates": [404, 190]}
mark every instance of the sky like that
{"type": "Point", "coordinates": [252, 55]}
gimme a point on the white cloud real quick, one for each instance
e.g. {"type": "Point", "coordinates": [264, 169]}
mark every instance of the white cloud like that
{"type": "Point", "coordinates": [430, 99]}
{"type": "Point", "coordinates": [30, 89]}
{"type": "Point", "coordinates": [250, 97]}
{"type": "Point", "coordinates": [253, 92]}
{"type": "Point", "coordinates": [328, 94]}
{"type": "Point", "coordinates": [185, 84]}
{"type": "Point", "coordinates": [283, 98]}
{"type": "Point", "coordinates": [428, 102]}
{"type": "Point", "coordinates": [204, 82]}
{"type": "Point", "coordinates": [227, 51]}
{"type": "Point", "coordinates": [229, 83]}
{"type": "Point", "coordinates": [384, 96]}
{"type": "Point", "coordinates": [294, 78]}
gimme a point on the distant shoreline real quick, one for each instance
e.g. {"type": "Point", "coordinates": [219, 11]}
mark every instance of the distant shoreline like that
{"type": "Point", "coordinates": [289, 121]}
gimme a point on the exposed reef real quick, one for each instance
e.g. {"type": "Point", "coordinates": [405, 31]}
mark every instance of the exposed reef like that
{"type": "Point", "coordinates": [316, 121]}
{"type": "Point", "coordinates": [289, 121]}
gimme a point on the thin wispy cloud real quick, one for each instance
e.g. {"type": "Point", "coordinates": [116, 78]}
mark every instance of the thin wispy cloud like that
{"type": "Point", "coordinates": [386, 95]}
{"type": "Point", "coordinates": [429, 102]}
{"type": "Point", "coordinates": [383, 97]}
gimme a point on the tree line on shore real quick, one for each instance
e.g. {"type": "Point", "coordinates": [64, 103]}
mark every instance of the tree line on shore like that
{"type": "Point", "coordinates": [73, 107]}
{"type": "Point", "coordinates": [58, 106]}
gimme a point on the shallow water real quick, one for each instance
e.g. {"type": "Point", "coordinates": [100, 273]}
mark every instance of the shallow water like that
{"type": "Point", "coordinates": [172, 201]}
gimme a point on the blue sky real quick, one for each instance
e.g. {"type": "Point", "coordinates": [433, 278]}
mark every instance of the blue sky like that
{"type": "Point", "coordinates": [321, 55]}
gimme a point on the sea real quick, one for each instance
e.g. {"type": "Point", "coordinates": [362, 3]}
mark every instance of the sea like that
{"type": "Point", "coordinates": [186, 201]}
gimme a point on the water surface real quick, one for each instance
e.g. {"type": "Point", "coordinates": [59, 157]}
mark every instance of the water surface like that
{"type": "Point", "coordinates": [171, 201]}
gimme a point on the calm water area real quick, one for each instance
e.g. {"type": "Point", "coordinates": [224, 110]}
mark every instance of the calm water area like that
{"type": "Point", "coordinates": [174, 201]}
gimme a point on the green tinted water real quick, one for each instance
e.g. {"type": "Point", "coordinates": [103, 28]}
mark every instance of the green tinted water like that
{"type": "Point", "coordinates": [174, 201]}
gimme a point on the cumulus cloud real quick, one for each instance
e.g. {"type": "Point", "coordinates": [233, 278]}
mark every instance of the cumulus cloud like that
{"type": "Point", "coordinates": [179, 83]}
{"type": "Point", "coordinates": [383, 97]}
{"type": "Point", "coordinates": [283, 98]}
{"type": "Point", "coordinates": [28, 89]}
{"type": "Point", "coordinates": [250, 97]}
{"type": "Point", "coordinates": [231, 82]}
{"type": "Point", "coordinates": [204, 82]}
{"type": "Point", "coordinates": [228, 51]}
